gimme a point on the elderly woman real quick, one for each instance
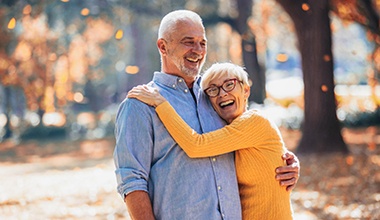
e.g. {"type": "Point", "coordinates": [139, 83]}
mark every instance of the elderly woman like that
{"type": "Point", "coordinates": [257, 141]}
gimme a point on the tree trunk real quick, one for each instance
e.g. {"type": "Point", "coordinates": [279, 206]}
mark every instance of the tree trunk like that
{"type": "Point", "coordinates": [250, 53]}
{"type": "Point", "coordinates": [321, 131]}
{"type": "Point", "coordinates": [8, 130]}
{"type": "Point", "coordinates": [142, 54]}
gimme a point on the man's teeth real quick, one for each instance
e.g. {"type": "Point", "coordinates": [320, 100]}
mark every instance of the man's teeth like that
{"type": "Point", "coordinates": [192, 59]}
{"type": "Point", "coordinates": [226, 103]}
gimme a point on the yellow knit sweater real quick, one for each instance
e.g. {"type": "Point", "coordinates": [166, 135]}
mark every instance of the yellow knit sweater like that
{"type": "Point", "coordinates": [258, 145]}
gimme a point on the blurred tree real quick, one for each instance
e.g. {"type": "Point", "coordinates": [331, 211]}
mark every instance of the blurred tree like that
{"type": "Point", "coordinates": [321, 131]}
{"type": "Point", "coordinates": [237, 14]}
{"type": "Point", "coordinates": [137, 51]}
{"type": "Point", "coordinates": [9, 76]}
{"type": "Point", "coordinates": [366, 13]}
{"type": "Point", "coordinates": [248, 43]}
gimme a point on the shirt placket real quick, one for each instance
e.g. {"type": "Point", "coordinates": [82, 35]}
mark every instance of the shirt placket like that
{"type": "Point", "coordinates": [217, 168]}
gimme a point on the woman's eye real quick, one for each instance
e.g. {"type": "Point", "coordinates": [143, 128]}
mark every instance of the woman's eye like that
{"type": "Point", "coordinates": [213, 89]}
{"type": "Point", "coordinates": [229, 84]}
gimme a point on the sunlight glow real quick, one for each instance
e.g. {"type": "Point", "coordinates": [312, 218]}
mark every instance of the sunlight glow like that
{"type": "Point", "coordinates": [285, 88]}
{"type": "Point", "coordinates": [54, 119]}
{"type": "Point", "coordinates": [3, 120]}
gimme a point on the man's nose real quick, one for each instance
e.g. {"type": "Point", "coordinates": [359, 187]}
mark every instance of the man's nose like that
{"type": "Point", "coordinates": [198, 48]}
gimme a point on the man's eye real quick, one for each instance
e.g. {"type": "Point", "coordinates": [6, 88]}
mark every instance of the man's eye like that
{"type": "Point", "coordinates": [188, 43]}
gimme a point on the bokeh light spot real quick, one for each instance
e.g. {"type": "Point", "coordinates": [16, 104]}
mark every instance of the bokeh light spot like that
{"type": "Point", "coordinates": [33, 118]}
{"type": "Point", "coordinates": [324, 88]}
{"type": "Point", "coordinates": [120, 65]}
{"type": "Point", "coordinates": [3, 120]}
{"type": "Point", "coordinates": [12, 24]}
{"type": "Point", "coordinates": [78, 97]}
{"type": "Point", "coordinates": [282, 57]}
{"type": "Point", "coordinates": [350, 160]}
{"type": "Point", "coordinates": [52, 56]}
{"type": "Point", "coordinates": [85, 11]}
{"type": "Point", "coordinates": [132, 69]}
{"type": "Point", "coordinates": [119, 34]}
{"type": "Point", "coordinates": [15, 121]}
{"type": "Point", "coordinates": [326, 58]}
{"type": "Point", "coordinates": [27, 10]}
{"type": "Point", "coordinates": [54, 119]}
{"type": "Point", "coordinates": [305, 7]}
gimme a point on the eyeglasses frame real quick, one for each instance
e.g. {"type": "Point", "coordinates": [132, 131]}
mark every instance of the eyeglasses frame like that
{"type": "Point", "coordinates": [221, 87]}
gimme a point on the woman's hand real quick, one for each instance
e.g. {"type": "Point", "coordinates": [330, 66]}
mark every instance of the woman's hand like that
{"type": "Point", "coordinates": [289, 175]}
{"type": "Point", "coordinates": [146, 94]}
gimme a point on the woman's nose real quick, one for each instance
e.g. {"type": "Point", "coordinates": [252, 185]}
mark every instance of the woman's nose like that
{"type": "Point", "coordinates": [222, 92]}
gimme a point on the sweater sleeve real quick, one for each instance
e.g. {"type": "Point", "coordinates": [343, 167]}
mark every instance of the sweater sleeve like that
{"type": "Point", "coordinates": [248, 130]}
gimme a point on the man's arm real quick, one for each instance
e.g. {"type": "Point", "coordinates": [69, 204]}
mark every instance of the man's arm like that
{"type": "Point", "coordinates": [139, 206]}
{"type": "Point", "coordinates": [132, 157]}
{"type": "Point", "coordinates": [289, 175]}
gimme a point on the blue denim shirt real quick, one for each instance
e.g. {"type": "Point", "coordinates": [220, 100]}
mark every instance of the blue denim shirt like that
{"type": "Point", "coordinates": [147, 158]}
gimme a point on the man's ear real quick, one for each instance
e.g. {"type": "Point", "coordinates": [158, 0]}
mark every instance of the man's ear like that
{"type": "Point", "coordinates": [161, 45]}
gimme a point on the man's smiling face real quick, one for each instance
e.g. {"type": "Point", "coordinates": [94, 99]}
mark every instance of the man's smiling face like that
{"type": "Point", "coordinates": [186, 50]}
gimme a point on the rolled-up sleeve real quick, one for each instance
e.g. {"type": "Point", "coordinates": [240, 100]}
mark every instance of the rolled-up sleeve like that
{"type": "Point", "coordinates": [133, 150]}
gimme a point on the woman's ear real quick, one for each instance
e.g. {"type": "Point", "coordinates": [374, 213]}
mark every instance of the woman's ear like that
{"type": "Point", "coordinates": [247, 91]}
{"type": "Point", "coordinates": [161, 45]}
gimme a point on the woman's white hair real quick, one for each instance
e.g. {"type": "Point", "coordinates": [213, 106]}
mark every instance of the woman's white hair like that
{"type": "Point", "coordinates": [168, 23]}
{"type": "Point", "coordinates": [220, 69]}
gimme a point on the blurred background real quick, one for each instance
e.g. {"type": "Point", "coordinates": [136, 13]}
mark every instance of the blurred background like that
{"type": "Point", "coordinates": [65, 65]}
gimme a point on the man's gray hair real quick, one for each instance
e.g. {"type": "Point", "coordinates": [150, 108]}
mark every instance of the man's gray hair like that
{"type": "Point", "coordinates": [170, 20]}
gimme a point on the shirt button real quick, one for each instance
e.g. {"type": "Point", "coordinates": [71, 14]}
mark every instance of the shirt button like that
{"type": "Point", "coordinates": [214, 159]}
{"type": "Point", "coordinates": [180, 80]}
{"type": "Point", "coordinates": [173, 86]}
{"type": "Point", "coordinates": [219, 188]}
{"type": "Point", "coordinates": [186, 90]}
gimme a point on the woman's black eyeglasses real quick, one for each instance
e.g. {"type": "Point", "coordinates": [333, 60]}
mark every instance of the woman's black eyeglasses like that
{"type": "Point", "coordinates": [227, 86]}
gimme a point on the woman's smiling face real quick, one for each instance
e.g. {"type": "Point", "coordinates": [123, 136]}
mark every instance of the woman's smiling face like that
{"type": "Point", "coordinates": [229, 105]}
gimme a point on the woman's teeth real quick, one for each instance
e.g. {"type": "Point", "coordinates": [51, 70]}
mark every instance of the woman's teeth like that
{"type": "Point", "coordinates": [223, 104]}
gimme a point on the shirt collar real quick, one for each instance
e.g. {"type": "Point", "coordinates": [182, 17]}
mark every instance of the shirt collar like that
{"type": "Point", "coordinates": [173, 81]}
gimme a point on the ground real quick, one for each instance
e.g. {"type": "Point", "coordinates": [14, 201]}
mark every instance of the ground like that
{"type": "Point", "coordinates": [75, 180]}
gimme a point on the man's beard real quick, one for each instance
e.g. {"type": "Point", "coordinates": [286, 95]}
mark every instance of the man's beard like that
{"type": "Point", "coordinates": [191, 72]}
